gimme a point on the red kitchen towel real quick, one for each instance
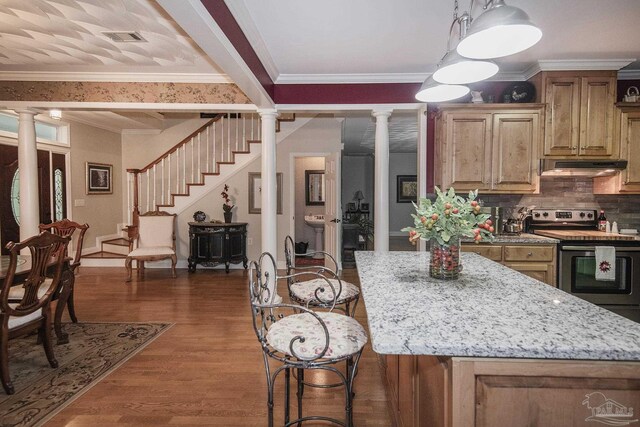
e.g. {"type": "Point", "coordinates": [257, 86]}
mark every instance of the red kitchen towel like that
{"type": "Point", "coordinates": [605, 263]}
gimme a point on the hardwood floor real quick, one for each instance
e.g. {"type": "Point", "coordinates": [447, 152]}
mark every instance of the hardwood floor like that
{"type": "Point", "coordinates": [207, 369]}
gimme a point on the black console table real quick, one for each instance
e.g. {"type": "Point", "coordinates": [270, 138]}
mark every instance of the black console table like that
{"type": "Point", "coordinates": [217, 243]}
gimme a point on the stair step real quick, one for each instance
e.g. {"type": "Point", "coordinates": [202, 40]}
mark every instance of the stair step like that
{"type": "Point", "coordinates": [120, 241]}
{"type": "Point", "coordinates": [104, 255]}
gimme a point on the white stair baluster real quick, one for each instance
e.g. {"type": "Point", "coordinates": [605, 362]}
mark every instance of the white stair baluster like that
{"type": "Point", "coordinates": [148, 190]}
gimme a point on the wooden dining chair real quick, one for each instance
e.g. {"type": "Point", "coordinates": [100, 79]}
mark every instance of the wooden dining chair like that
{"type": "Point", "coordinates": [68, 228]}
{"type": "Point", "coordinates": [33, 310]}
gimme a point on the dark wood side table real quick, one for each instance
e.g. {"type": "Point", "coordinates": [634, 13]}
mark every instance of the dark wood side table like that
{"type": "Point", "coordinates": [211, 244]}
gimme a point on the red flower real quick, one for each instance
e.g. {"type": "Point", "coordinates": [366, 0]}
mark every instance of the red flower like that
{"type": "Point", "coordinates": [605, 266]}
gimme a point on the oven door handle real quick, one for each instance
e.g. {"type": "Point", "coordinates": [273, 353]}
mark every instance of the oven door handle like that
{"type": "Point", "coordinates": [593, 248]}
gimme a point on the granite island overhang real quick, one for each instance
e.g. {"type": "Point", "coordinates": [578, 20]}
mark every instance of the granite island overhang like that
{"type": "Point", "coordinates": [494, 347]}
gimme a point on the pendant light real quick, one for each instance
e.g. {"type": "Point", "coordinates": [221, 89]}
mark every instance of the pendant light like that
{"type": "Point", "coordinates": [432, 91]}
{"type": "Point", "coordinates": [500, 31]}
{"type": "Point", "coordinates": [455, 69]}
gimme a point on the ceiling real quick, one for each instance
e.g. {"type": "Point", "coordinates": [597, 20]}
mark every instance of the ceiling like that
{"type": "Point", "coordinates": [67, 36]}
{"type": "Point", "coordinates": [381, 40]}
{"type": "Point", "coordinates": [359, 131]}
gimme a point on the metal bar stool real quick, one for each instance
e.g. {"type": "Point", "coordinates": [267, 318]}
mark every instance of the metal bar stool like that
{"type": "Point", "coordinates": [315, 292]}
{"type": "Point", "coordinates": [302, 339]}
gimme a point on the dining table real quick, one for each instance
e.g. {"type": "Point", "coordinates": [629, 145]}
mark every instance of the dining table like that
{"type": "Point", "coordinates": [65, 287]}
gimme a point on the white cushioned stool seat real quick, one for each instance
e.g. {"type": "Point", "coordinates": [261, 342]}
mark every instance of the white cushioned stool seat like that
{"type": "Point", "coordinates": [306, 291]}
{"type": "Point", "coordinates": [346, 335]}
{"type": "Point", "coordinates": [154, 250]}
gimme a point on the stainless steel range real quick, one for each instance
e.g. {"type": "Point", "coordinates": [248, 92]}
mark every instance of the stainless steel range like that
{"type": "Point", "coordinates": [578, 234]}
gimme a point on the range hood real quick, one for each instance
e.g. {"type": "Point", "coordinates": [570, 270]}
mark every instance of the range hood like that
{"type": "Point", "coordinates": [589, 168]}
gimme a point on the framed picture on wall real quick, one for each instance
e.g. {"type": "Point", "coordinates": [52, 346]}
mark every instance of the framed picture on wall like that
{"type": "Point", "coordinates": [364, 207]}
{"type": "Point", "coordinates": [99, 178]}
{"type": "Point", "coordinates": [255, 192]}
{"type": "Point", "coordinates": [407, 188]}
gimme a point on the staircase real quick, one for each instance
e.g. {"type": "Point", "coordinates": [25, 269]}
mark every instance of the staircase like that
{"type": "Point", "coordinates": [215, 151]}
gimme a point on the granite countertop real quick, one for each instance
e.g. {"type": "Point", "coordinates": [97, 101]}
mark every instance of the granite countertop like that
{"type": "Point", "coordinates": [490, 311]}
{"type": "Point", "coordinates": [531, 239]}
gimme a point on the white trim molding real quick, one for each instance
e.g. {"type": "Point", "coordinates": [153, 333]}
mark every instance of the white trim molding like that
{"type": "Point", "coordinates": [164, 106]}
{"type": "Point", "coordinates": [73, 76]}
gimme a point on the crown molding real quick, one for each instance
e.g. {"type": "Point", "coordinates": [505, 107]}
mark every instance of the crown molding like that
{"type": "Point", "coordinates": [338, 108]}
{"type": "Point", "coordinates": [352, 78]}
{"type": "Point", "coordinates": [251, 32]}
{"type": "Point", "coordinates": [93, 124]}
{"type": "Point", "coordinates": [629, 75]}
{"type": "Point", "coordinates": [73, 76]}
{"type": "Point", "coordinates": [584, 64]}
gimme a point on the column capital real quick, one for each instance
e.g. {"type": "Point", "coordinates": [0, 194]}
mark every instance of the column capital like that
{"type": "Point", "coordinates": [382, 112]}
{"type": "Point", "coordinates": [27, 110]}
{"type": "Point", "coordinates": [268, 112]}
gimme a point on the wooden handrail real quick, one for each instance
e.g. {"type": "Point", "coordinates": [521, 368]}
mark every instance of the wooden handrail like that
{"type": "Point", "coordinates": [179, 144]}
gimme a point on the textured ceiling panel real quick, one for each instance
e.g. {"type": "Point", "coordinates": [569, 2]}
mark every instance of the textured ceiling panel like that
{"type": "Point", "coordinates": [35, 34]}
{"type": "Point", "coordinates": [360, 133]}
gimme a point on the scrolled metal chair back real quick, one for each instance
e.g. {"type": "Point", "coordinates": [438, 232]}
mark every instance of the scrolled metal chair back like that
{"type": "Point", "coordinates": [44, 249]}
{"type": "Point", "coordinates": [265, 311]}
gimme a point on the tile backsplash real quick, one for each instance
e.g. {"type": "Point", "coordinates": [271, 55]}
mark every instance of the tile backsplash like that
{"type": "Point", "coordinates": [568, 192]}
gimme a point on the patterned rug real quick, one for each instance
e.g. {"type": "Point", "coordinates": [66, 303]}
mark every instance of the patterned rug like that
{"type": "Point", "coordinates": [94, 351]}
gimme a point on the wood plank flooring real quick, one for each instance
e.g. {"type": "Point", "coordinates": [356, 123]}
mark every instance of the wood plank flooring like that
{"type": "Point", "coordinates": [207, 370]}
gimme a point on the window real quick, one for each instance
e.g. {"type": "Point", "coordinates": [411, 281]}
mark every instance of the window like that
{"type": "Point", "coordinates": [15, 196]}
{"type": "Point", "coordinates": [46, 131]}
{"type": "Point", "coordinates": [58, 195]}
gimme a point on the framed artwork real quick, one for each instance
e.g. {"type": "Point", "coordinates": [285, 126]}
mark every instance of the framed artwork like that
{"type": "Point", "coordinates": [351, 207]}
{"type": "Point", "coordinates": [407, 190]}
{"type": "Point", "coordinates": [255, 192]}
{"type": "Point", "coordinates": [99, 178]}
{"type": "Point", "coordinates": [364, 207]}
{"type": "Point", "coordinates": [314, 187]}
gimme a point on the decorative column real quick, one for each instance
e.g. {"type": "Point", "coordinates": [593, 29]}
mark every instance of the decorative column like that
{"type": "Point", "coordinates": [381, 181]}
{"type": "Point", "coordinates": [28, 174]}
{"type": "Point", "coordinates": [269, 203]}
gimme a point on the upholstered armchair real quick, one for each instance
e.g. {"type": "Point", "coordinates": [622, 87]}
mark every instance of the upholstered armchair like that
{"type": "Point", "coordinates": [153, 239]}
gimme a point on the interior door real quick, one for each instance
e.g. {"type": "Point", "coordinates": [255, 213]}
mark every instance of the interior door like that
{"type": "Point", "coordinates": [333, 208]}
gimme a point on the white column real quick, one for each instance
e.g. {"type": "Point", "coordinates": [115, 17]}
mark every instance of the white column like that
{"type": "Point", "coordinates": [381, 180]}
{"type": "Point", "coordinates": [269, 203]}
{"type": "Point", "coordinates": [422, 162]}
{"type": "Point", "coordinates": [28, 167]}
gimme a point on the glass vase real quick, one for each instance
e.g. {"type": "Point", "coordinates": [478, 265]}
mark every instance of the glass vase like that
{"type": "Point", "coordinates": [444, 261]}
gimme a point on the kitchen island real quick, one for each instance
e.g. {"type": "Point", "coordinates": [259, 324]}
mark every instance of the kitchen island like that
{"type": "Point", "coordinates": [494, 347]}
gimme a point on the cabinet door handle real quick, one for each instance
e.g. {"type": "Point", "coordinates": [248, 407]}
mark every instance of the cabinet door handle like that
{"type": "Point", "coordinates": [530, 254]}
{"type": "Point", "coordinates": [574, 148]}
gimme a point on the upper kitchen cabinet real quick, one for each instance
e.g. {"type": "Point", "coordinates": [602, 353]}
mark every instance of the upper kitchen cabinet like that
{"type": "Point", "coordinates": [491, 147]}
{"type": "Point", "coordinates": [579, 115]}
{"type": "Point", "coordinates": [628, 136]}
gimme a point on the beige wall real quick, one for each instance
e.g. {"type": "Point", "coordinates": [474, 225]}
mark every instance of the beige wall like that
{"type": "Point", "coordinates": [320, 135]}
{"type": "Point", "coordinates": [304, 232]}
{"type": "Point", "coordinates": [101, 211]}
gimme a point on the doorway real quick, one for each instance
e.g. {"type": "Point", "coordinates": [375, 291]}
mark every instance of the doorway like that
{"type": "Point", "coordinates": [309, 208]}
{"type": "Point", "coordinates": [52, 199]}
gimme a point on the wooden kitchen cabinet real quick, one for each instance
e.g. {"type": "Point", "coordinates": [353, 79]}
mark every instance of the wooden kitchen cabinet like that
{"type": "Point", "coordinates": [537, 261]}
{"type": "Point", "coordinates": [579, 116]}
{"type": "Point", "coordinates": [628, 135]}
{"type": "Point", "coordinates": [491, 148]}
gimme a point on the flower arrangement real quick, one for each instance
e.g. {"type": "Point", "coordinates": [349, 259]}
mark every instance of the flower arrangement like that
{"type": "Point", "coordinates": [450, 216]}
{"type": "Point", "coordinates": [226, 206]}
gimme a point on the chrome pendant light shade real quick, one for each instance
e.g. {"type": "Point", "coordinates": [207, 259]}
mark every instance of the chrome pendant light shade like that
{"type": "Point", "coordinates": [500, 31]}
{"type": "Point", "coordinates": [455, 69]}
{"type": "Point", "coordinates": [432, 91]}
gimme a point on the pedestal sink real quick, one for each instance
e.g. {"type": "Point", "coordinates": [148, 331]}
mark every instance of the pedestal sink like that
{"type": "Point", "coordinates": [317, 223]}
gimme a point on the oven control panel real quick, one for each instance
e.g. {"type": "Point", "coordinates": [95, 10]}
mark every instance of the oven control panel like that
{"type": "Point", "coordinates": [563, 215]}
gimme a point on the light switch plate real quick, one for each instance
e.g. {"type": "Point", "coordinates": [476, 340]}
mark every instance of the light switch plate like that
{"type": "Point", "coordinates": [78, 202]}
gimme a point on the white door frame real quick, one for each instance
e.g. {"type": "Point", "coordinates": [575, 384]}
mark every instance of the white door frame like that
{"type": "Point", "coordinates": [292, 185]}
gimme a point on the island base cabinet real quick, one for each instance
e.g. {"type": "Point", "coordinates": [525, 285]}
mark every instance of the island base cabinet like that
{"type": "Point", "coordinates": [463, 392]}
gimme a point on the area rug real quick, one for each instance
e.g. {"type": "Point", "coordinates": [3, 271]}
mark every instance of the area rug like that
{"type": "Point", "coordinates": [94, 350]}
